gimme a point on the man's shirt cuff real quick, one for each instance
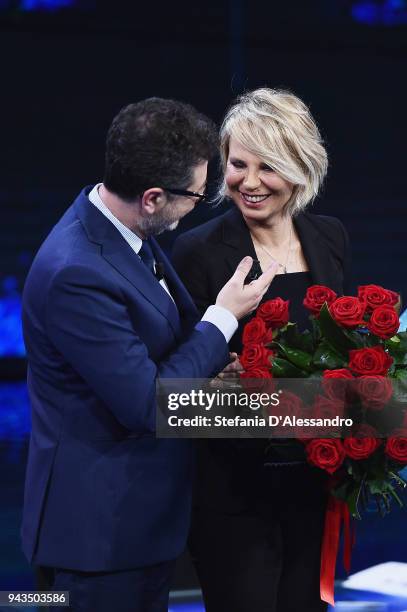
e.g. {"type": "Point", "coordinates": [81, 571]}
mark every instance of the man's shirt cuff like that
{"type": "Point", "coordinates": [224, 320]}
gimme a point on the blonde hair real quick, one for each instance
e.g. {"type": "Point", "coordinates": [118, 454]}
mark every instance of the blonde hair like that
{"type": "Point", "coordinates": [278, 127]}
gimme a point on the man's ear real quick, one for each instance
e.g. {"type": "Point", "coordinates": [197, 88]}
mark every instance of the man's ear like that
{"type": "Point", "coordinates": [152, 200]}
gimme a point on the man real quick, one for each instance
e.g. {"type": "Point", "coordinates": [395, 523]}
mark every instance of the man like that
{"type": "Point", "coordinates": [106, 503]}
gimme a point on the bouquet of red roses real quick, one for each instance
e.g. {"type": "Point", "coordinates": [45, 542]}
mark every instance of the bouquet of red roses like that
{"type": "Point", "coordinates": [351, 339]}
{"type": "Point", "coordinates": [355, 350]}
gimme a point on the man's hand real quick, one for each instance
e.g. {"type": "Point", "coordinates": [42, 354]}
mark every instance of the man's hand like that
{"type": "Point", "coordinates": [239, 298]}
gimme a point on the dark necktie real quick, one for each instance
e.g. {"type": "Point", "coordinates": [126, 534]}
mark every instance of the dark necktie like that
{"type": "Point", "coordinates": [146, 256]}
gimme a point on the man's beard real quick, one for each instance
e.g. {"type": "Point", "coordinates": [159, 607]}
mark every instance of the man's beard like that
{"type": "Point", "coordinates": [156, 224]}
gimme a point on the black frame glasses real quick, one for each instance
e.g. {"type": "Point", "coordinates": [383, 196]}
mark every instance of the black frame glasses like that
{"type": "Point", "coordinates": [184, 192]}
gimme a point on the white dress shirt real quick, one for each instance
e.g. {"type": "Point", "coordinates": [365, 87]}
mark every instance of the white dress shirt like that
{"type": "Point", "coordinates": [224, 320]}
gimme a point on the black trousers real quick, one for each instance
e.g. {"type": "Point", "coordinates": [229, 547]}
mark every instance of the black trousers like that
{"type": "Point", "coordinates": [266, 559]}
{"type": "Point", "coordinates": [140, 590]}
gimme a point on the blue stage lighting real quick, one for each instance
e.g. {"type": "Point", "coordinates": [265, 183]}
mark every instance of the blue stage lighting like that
{"type": "Point", "coordinates": [11, 334]}
{"type": "Point", "coordinates": [46, 5]}
{"type": "Point", "coordinates": [385, 13]}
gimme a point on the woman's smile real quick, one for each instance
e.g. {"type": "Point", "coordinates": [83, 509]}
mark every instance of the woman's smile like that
{"type": "Point", "coordinates": [254, 199]}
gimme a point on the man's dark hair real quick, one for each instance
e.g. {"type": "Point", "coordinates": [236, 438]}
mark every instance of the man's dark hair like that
{"type": "Point", "coordinates": [156, 143]}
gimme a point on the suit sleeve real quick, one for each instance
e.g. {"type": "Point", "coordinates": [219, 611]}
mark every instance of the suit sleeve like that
{"type": "Point", "coordinates": [88, 323]}
{"type": "Point", "coordinates": [188, 258]}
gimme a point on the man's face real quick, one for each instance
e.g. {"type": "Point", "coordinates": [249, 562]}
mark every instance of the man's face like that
{"type": "Point", "coordinates": [168, 216]}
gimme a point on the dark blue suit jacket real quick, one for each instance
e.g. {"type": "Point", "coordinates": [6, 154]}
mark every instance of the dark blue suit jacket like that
{"type": "Point", "coordinates": [102, 493]}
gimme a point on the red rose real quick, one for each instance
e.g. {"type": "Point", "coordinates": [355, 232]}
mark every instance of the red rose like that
{"type": "Point", "coordinates": [339, 373]}
{"type": "Point", "coordinates": [255, 356]}
{"type": "Point", "coordinates": [347, 311]}
{"type": "Point", "coordinates": [333, 382]}
{"type": "Point", "coordinates": [305, 433]}
{"type": "Point", "coordinates": [257, 380]}
{"type": "Point", "coordinates": [362, 444]}
{"type": "Point", "coordinates": [374, 296]}
{"type": "Point", "coordinates": [326, 453]}
{"type": "Point", "coordinates": [254, 331]}
{"type": "Point", "coordinates": [289, 405]}
{"type": "Point", "coordinates": [257, 373]}
{"type": "Point", "coordinates": [327, 408]}
{"type": "Point", "coordinates": [384, 322]}
{"type": "Point", "coordinates": [396, 446]}
{"type": "Point", "coordinates": [370, 361]}
{"type": "Point", "coordinates": [274, 312]}
{"type": "Point", "coordinates": [374, 391]}
{"type": "Point", "coordinates": [316, 297]}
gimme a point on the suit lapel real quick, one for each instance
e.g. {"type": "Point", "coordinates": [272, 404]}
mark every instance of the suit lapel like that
{"type": "Point", "coordinates": [316, 252]}
{"type": "Point", "coordinates": [236, 235]}
{"type": "Point", "coordinates": [188, 313]}
{"type": "Point", "coordinates": [117, 252]}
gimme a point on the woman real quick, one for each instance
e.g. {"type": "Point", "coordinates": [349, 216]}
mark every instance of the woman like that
{"type": "Point", "coordinates": [258, 521]}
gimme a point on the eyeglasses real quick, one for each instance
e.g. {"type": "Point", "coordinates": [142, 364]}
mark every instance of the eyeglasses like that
{"type": "Point", "coordinates": [183, 192]}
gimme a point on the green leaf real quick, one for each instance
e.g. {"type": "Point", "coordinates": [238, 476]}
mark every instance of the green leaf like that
{"type": "Point", "coordinates": [400, 385]}
{"type": "Point", "coordinates": [400, 481]}
{"type": "Point", "coordinates": [364, 497]}
{"type": "Point", "coordinates": [402, 338]}
{"type": "Point", "coordinates": [371, 340]}
{"type": "Point", "coordinates": [392, 492]}
{"type": "Point", "coordinates": [299, 358]}
{"type": "Point", "coordinates": [299, 340]}
{"type": "Point", "coordinates": [397, 346]}
{"type": "Point", "coordinates": [377, 486]}
{"type": "Point", "coordinates": [341, 340]}
{"type": "Point", "coordinates": [356, 470]}
{"type": "Point", "coordinates": [386, 500]}
{"type": "Point", "coordinates": [315, 330]}
{"type": "Point", "coordinates": [401, 376]}
{"type": "Point", "coordinates": [307, 341]}
{"type": "Point", "coordinates": [393, 342]}
{"type": "Point", "coordinates": [353, 501]}
{"type": "Point", "coordinates": [377, 468]}
{"type": "Point", "coordinates": [326, 358]}
{"type": "Point", "coordinates": [400, 359]}
{"type": "Point", "coordinates": [282, 368]}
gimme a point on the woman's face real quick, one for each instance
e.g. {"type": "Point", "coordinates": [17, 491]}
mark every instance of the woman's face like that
{"type": "Point", "coordinates": [258, 191]}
